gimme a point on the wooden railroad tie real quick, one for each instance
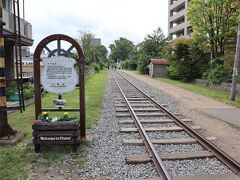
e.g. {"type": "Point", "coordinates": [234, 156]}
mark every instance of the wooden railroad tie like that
{"type": "Point", "coordinates": [152, 121]}
{"type": "Point", "coordinates": [152, 129]}
{"type": "Point", "coordinates": [145, 158]}
{"type": "Point", "coordinates": [139, 142]}
{"type": "Point", "coordinates": [146, 115]}
{"type": "Point", "coordinates": [139, 105]}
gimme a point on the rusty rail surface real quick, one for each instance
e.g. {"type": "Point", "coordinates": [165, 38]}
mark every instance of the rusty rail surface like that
{"type": "Point", "coordinates": [218, 153]}
{"type": "Point", "coordinates": [160, 167]}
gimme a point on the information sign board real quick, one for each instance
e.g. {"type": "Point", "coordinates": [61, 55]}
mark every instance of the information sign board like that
{"type": "Point", "coordinates": [59, 75]}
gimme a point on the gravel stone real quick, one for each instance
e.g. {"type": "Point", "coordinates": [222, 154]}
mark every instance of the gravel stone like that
{"type": "Point", "coordinates": [197, 166]}
{"type": "Point", "coordinates": [179, 148]}
{"type": "Point", "coordinates": [106, 156]}
{"type": "Point", "coordinates": [167, 135]}
{"type": "Point", "coordinates": [134, 150]}
{"type": "Point", "coordinates": [133, 135]}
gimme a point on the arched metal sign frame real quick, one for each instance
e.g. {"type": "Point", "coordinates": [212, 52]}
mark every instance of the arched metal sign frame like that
{"type": "Point", "coordinates": [60, 52]}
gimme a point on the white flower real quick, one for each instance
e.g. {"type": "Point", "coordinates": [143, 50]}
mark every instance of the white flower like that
{"type": "Point", "coordinates": [55, 119]}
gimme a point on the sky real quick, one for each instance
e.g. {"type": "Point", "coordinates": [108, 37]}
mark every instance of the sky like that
{"type": "Point", "coordinates": [106, 19]}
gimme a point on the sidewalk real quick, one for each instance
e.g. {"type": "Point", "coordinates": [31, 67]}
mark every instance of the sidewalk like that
{"type": "Point", "coordinates": [192, 100]}
{"type": "Point", "coordinates": [16, 103]}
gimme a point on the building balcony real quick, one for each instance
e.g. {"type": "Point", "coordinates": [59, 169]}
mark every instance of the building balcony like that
{"type": "Point", "coordinates": [177, 4]}
{"type": "Point", "coordinates": [26, 28]}
{"type": "Point", "coordinates": [177, 16]}
{"type": "Point", "coordinates": [178, 27]}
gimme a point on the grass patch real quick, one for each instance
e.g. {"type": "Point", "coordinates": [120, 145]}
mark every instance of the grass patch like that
{"type": "Point", "coordinates": [219, 95]}
{"type": "Point", "coordinates": [17, 161]}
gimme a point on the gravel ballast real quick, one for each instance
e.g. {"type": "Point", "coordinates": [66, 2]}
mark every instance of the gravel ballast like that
{"type": "Point", "coordinates": [107, 155]}
{"type": "Point", "coordinates": [106, 158]}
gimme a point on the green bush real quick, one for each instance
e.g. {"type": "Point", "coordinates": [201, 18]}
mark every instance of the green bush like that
{"type": "Point", "coordinates": [96, 67]}
{"type": "Point", "coordinates": [28, 90]}
{"type": "Point", "coordinates": [186, 60]}
{"type": "Point", "coordinates": [181, 72]}
{"type": "Point", "coordinates": [11, 88]}
{"type": "Point", "coordinates": [143, 62]}
{"type": "Point", "coordinates": [218, 74]}
{"type": "Point", "coordinates": [129, 64]}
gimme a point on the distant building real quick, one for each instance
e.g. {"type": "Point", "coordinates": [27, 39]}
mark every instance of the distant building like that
{"type": "Point", "coordinates": [177, 19]}
{"type": "Point", "coordinates": [27, 62]}
{"type": "Point", "coordinates": [96, 41]}
{"type": "Point", "coordinates": [158, 67]}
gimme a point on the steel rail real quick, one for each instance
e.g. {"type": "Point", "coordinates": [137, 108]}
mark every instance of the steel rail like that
{"type": "Point", "coordinates": [160, 167]}
{"type": "Point", "coordinates": [222, 156]}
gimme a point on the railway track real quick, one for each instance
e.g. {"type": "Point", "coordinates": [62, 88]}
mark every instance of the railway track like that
{"type": "Point", "coordinates": [143, 114]}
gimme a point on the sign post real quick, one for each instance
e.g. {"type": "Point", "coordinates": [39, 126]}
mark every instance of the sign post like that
{"type": "Point", "coordinates": [58, 76]}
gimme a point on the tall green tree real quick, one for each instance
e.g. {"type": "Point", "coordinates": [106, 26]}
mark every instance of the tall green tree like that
{"type": "Point", "coordinates": [151, 47]}
{"type": "Point", "coordinates": [85, 39]}
{"type": "Point", "coordinates": [153, 43]}
{"type": "Point", "coordinates": [100, 55]}
{"type": "Point", "coordinates": [214, 22]}
{"type": "Point", "coordinates": [101, 52]}
{"type": "Point", "coordinates": [93, 53]}
{"type": "Point", "coordinates": [121, 49]}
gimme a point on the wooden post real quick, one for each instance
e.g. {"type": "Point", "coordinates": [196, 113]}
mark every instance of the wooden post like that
{"type": "Point", "coordinates": [236, 65]}
{"type": "Point", "coordinates": [5, 129]}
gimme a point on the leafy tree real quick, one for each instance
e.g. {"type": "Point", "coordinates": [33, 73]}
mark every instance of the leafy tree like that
{"type": "Point", "coordinates": [101, 52]}
{"type": "Point", "coordinates": [96, 54]}
{"type": "Point", "coordinates": [151, 47]}
{"type": "Point", "coordinates": [187, 61]}
{"type": "Point", "coordinates": [100, 55]}
{"type": "Point", "coordinates": [153, 43]}
{"type": "Point", "coordinates": [143, 62]}
{"type": "Point", "coordinates": [214, 23]}
{"type": "Point", "coordinates": [121, 50]}
{"type": "Point", "coordinates": [85, 39]}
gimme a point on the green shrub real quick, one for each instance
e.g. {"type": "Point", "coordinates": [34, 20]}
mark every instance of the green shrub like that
{"type": "Point", "coordinates": [28, 90]}
{"type": "Point", "coordinates": [143, 62]}
{"type": "Point", "coordinates": [96, 67]}
{"type": "Point", "coordinates": [186, 60]}
{"type": "Point", "coordinates": [218, 74]}
{"type": "Point", "coordinates": [129, 64]}
{"type": "Point", "coordinates": [11, 88]}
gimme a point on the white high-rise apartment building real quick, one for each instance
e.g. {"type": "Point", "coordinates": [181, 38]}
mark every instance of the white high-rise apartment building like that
{"type": "Point", "coordinates": [177, 19]}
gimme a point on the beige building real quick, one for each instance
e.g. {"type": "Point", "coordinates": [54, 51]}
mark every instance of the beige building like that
{"type": "Point", "coordinates": [177, 19]}
{"type": "Point", "coordinates": [8, 30]}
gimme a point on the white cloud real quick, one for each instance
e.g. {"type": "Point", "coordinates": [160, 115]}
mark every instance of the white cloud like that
{"type": "Point", "coordinates": [107, 19]}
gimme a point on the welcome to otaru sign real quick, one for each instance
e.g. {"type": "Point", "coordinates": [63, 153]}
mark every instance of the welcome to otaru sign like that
{"type": "Point", "coordinates": [58, 76]}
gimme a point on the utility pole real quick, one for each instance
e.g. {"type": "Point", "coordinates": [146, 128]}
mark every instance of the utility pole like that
{"type": "Point", "coordinates": [236, 65]}
{"type": "Point", "coordinates": [5, 129]}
